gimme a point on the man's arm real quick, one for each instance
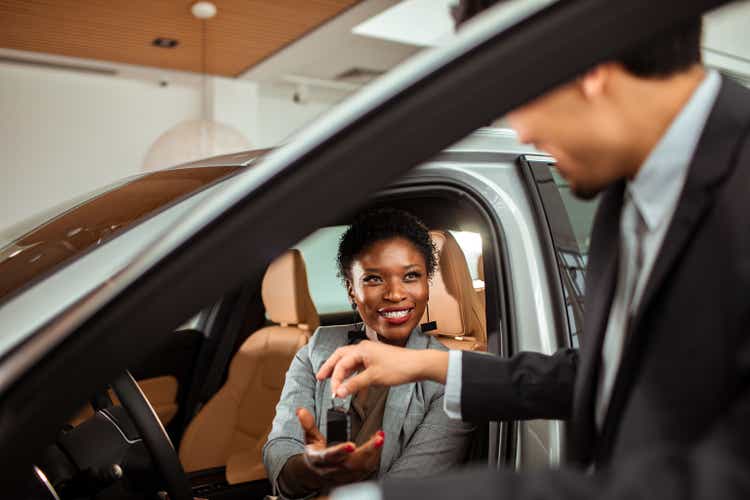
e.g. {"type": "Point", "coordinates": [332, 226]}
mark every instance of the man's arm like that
{"type": "Point", "coordinates": [526, 386]}
{"type": "Point", "coordinates": [381, 364]}
{"type": "Point", "coordinates": [715, 467]}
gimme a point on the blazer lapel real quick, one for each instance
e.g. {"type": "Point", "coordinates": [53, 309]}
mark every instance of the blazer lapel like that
{"type": "Point", "coordinates": [713, 160]}
{"type": "Point", "coordinates": [601, 277]}
{"type": "Point", "coordinates": [397, 406]}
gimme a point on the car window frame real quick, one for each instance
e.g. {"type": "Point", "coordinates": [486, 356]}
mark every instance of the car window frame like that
{"type": "Point", "coordinates": [379, 142]}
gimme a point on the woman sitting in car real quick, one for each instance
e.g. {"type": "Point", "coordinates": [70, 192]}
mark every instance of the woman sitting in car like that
{"type": "Point", "coordinates": [385, 258]}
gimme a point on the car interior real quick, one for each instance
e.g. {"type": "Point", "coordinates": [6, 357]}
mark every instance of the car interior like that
{"type": "Point", "coordinates": [216, 383]}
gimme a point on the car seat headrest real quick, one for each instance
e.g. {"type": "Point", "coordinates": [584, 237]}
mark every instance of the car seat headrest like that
{"type": "Point", "coordinates": [453, 303]}
{"type": "Point", "coordinates": [480, 267]}
{"type": "Point", "coordinates": [285, 292]}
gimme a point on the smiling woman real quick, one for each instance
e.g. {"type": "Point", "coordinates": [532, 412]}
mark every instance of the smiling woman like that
{"type": "Point", "coordinates": [385, 259]}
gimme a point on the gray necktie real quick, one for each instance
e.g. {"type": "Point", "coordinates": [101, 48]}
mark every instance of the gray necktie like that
{"type": "Point", "coordinates": [633, 228]}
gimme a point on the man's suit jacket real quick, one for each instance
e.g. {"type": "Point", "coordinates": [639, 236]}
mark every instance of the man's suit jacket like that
{"type": "Point", "coordinates": [678, 424]}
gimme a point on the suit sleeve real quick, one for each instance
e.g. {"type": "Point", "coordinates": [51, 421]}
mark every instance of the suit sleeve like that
{"type": "Point", "coordinates": [715, 467]}
{"type": "Point", "coordinates": [528, 385]}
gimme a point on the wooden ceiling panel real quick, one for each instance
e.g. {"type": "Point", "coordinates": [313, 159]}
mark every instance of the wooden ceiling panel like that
{"type": "Point", "coordinates": [243, 33]}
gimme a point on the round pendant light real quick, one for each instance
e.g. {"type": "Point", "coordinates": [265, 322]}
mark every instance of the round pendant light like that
{"type": "Point", "coordinates": [195, 139]}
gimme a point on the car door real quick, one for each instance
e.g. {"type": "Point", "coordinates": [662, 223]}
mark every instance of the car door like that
{"type": "Point", "coordinates": [396, 123]}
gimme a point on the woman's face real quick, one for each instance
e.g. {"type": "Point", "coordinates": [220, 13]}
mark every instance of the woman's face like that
{"type": "Point", "coordinates": [388, 282]}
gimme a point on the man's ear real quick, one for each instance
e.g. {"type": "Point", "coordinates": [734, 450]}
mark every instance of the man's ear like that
{"type": "Point", "coordinates": [594, 83]}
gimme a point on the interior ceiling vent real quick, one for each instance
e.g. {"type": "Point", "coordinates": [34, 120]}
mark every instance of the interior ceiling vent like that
{"type": "Point", "coordinates": [80, 68]}
{"type": "Point", "coordinates": [358, 75]}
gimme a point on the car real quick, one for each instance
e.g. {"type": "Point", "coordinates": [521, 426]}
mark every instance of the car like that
{"type": "Point", "coordinates": [460, 191]}
{"type": "Point", "coordinates": [92, 300]}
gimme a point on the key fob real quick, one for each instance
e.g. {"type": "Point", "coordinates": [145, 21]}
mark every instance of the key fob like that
{"type": "Point", "coordinates": [338, 426]}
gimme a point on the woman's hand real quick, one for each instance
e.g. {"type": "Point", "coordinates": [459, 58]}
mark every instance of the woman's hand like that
{"type": "Point", "coordinates": [340, 464]}
{"type": "Point", "coordinates": [381, 364]}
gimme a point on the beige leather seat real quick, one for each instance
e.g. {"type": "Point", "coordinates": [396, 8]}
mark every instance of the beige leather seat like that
{"type": "Point", "coordinates": [454, 305]}
{"type": "Point", "coordinates": [480, 275]}
{"type": "Point", "coordinates": [233, 426]}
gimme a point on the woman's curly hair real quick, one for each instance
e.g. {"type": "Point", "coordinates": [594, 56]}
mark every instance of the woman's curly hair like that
{"type": "Point", "coordinates": [374, 225]}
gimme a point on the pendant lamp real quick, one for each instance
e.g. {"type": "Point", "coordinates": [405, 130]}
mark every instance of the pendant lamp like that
{"type": "Point", "coordinates": [195, 139]}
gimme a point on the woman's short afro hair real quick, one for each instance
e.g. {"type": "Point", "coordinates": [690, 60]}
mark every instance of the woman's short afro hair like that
{"type": "Point", "coordinates": [374, 225]}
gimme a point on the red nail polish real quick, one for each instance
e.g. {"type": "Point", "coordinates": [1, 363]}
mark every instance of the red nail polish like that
{"type": "Point", "coordinates": [381, 434]}
{"type": "Point", "coordinates": [350, 448]}
{"type": "Point", "coordinates": [379, 442]}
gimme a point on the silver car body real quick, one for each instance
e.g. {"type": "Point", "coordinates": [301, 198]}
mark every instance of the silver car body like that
{"type": "Point", "coordinates": [486, 162]}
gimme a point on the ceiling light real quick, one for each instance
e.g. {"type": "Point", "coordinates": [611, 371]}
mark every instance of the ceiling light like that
{"type": "Point", "coordinates": [203, 10]}
{"type": "Point", "coordinates": [165, 43]}
{"type": "Point", "coordinates": [196, 139]}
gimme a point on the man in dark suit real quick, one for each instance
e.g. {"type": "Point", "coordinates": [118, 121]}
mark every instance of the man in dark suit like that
{"type": "Point", "coordinates": [658, 398]}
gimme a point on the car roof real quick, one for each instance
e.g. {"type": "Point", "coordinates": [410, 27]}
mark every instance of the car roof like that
{"type": "Point", "coordinates": [482, 140]}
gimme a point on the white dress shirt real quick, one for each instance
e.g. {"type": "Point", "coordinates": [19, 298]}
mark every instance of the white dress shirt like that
{"type": "Point", "coordinates": [650, 202]}
{"type": "Point", "coordinates": [653, 194]}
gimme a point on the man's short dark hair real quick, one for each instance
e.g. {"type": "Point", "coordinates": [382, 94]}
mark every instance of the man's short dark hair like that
{"type": "Point", "coordinates": [665, 54]}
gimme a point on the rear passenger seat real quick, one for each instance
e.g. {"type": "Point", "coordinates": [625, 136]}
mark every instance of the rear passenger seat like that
{"type": "Point", "coordinates": [233, 426]}
{"type": "Point", "coordinates": [454, 304]}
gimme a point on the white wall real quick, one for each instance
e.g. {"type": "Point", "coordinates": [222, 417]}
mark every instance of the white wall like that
{"type": "Point", "coordinates": [279, 116]}
{"type": "Point", "coordinates": [64, 133]}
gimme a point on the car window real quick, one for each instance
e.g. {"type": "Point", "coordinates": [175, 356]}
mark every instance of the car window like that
{"type": "Point", "coordinates": [327, 291]}
{"type": "Point", "coordinates": [319, 251]}
{"type": "Point", "coordinates": [471, 245]}
{"type": "Point", "coordinates": [570, 220]}
{"type": "Point", "coordinates": [84, 224]}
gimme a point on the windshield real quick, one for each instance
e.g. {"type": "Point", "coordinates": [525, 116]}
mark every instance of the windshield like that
{"type": "Point", "coordinates": [91, 220]}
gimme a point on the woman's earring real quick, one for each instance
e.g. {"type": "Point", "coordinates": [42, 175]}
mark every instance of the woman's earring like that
{"type": "Point", "coordinates": [428, 326]}
{"type": "Point", "coordinates": [355, 335]}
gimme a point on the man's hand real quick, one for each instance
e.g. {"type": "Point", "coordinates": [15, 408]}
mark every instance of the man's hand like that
{"type": "Point", "coordinates": [340, 464]}
{"type": "Point", "coordinates": [381, 364]}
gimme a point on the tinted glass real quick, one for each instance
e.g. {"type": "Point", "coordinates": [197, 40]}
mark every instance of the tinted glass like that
{"type": "Point", "coordinates": [319, 251]}
{"type": "Point", "coordinates": [95, 221]}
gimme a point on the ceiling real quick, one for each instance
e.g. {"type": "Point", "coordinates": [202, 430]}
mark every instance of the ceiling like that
{"type": "Point", "coordinates": [334, 53]}
{"type": "Point", "coordinates": [284, 42]}
{"type": "Point", "coordinates": [243, 33]}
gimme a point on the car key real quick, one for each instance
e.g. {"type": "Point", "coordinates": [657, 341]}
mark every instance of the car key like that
{"type": "Point", "coordinates": [338, 426]}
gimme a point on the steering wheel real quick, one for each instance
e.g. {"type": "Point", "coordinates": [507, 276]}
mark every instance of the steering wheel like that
{"type": "Point", "coordinates": [154, 436]}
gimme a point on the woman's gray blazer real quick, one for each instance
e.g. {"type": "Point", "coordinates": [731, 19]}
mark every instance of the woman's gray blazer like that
{"type": "Point", "coordinates": [420, 439]}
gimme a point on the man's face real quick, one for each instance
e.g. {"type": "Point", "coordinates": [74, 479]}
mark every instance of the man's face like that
{"type": "Point", "coordinates": [581, 130]}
